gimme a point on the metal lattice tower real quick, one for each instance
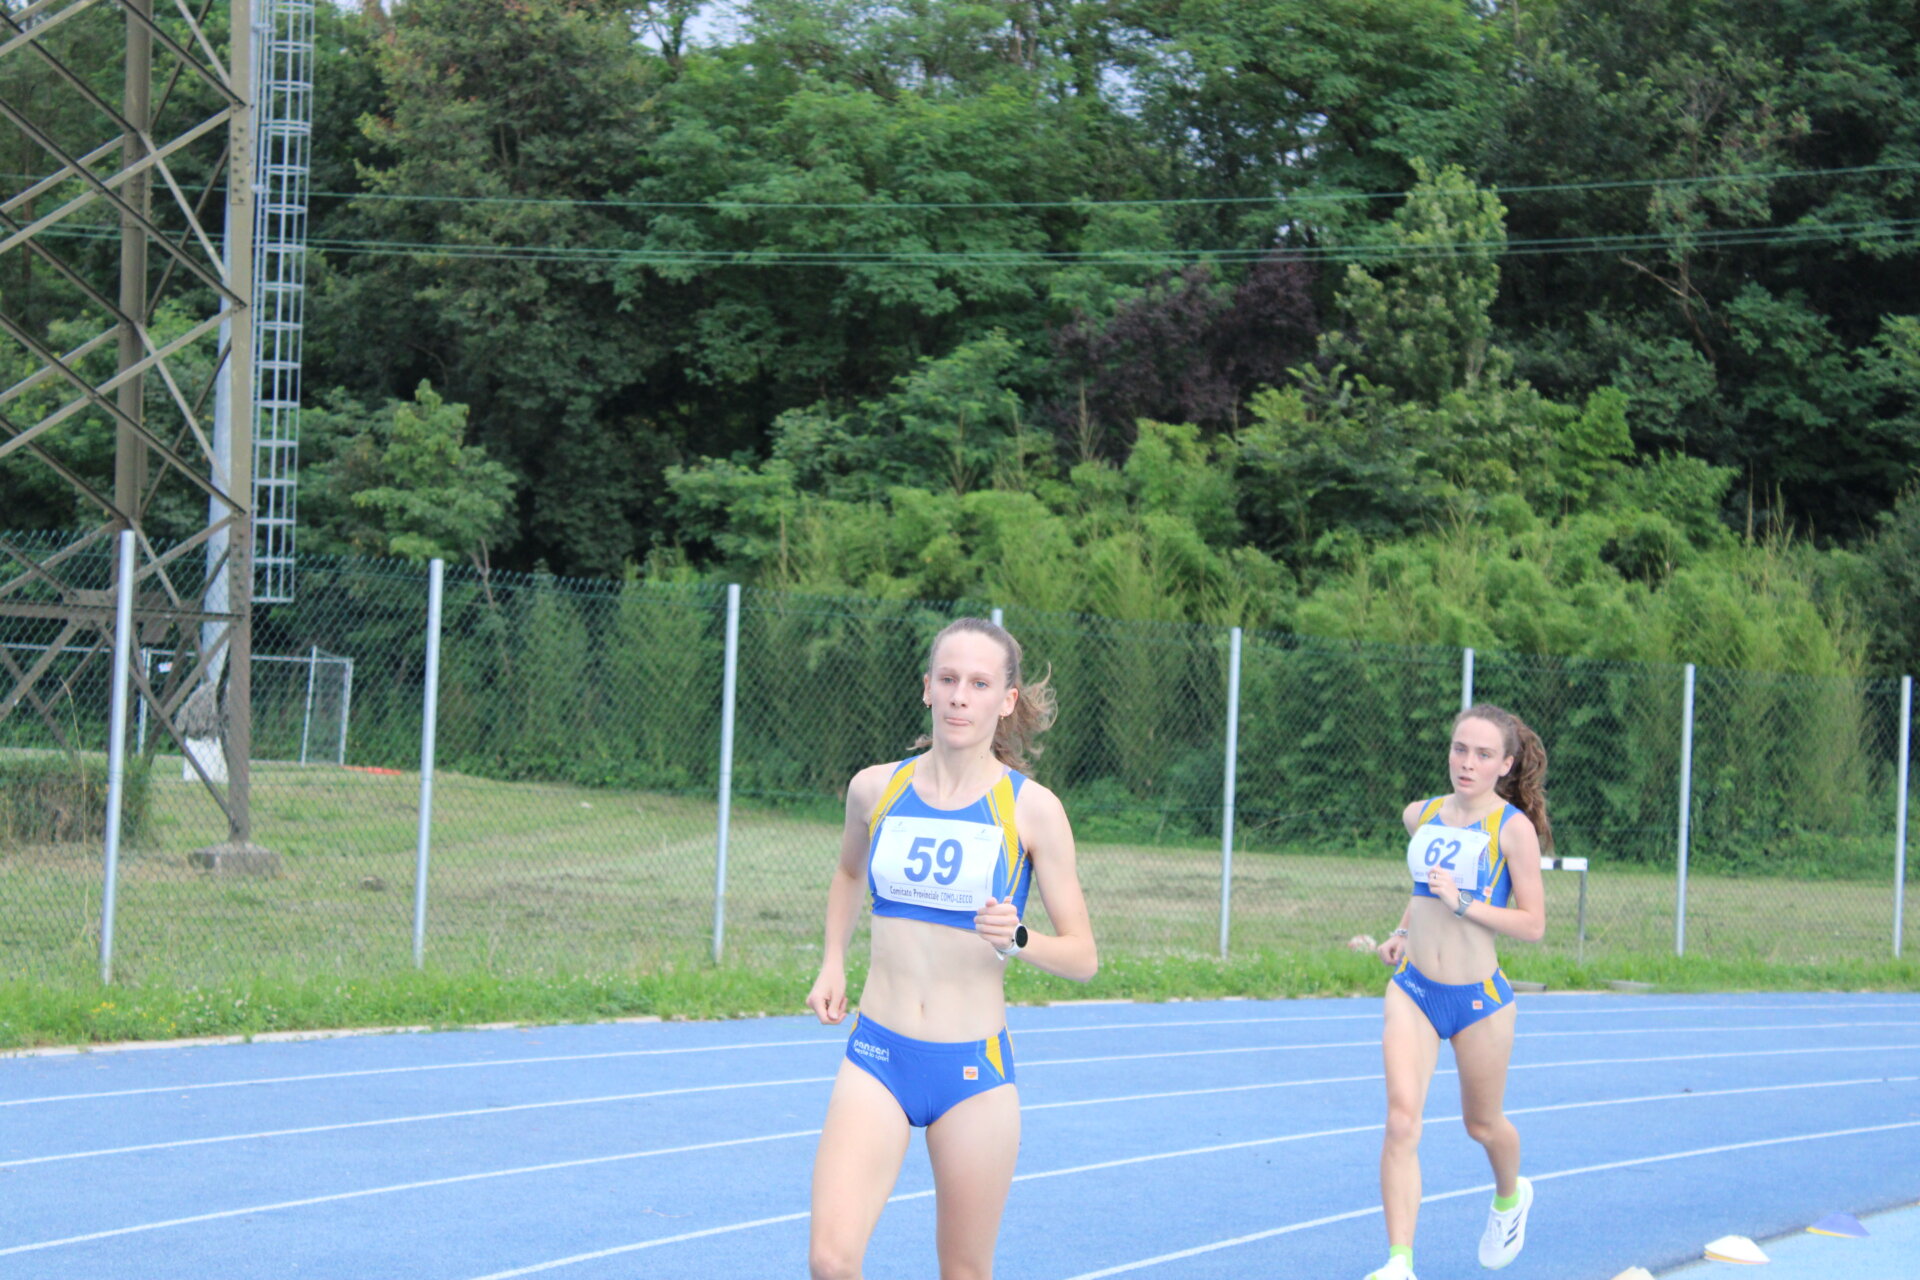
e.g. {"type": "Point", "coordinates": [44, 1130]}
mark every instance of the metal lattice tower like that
{"type": "Point", "coordinates": [139, 160]}
{"type": "Point", "coordinates": [284, 53]}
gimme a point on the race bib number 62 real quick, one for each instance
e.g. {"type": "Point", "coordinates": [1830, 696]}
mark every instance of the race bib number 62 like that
{"type": "Point", "coordinates": [1459, 852]}
{"type": "Point", "coordinates": [936, 862]}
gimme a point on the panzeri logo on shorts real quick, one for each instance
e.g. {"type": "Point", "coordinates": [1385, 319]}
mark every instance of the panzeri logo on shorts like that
{"type": "Point", "coordinates": [1414, 988]}
{"type": "Point", "coordinates": [1477, 1004]}
{"type": "Point", "coordinates": [969, 1073]}
{"type": "Point", "coordinates": [873, 1051]}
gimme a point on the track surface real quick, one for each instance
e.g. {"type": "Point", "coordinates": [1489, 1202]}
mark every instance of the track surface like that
{"type": "Point", "coordinates": [1171, 1141]}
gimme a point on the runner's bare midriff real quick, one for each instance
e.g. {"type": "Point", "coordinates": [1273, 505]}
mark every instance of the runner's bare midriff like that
{"type": "Point", "coordinates": [934, 982]}
{"type": "Point", "coordinates": [1447, 948]}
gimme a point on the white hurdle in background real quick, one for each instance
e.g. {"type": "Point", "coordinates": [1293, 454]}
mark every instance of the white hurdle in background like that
{"type": "Point", "coordinates": [1573, 864]}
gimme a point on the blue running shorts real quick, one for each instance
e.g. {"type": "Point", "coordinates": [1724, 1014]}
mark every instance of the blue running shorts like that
{"type": "Point", "coordinates": [928, 1078]}
{"type": "Point", "coordinates": [1453, 1007]}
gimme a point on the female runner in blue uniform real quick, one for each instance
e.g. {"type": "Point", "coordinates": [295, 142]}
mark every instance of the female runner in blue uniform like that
{"type": "Point", "coordinates": [1475, 860]}
{"type": "Point", "coordinates": [947, 843]}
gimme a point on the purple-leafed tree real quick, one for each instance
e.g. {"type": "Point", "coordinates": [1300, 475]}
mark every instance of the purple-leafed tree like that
{"type": "Point", "coordinates": [1189, 349]}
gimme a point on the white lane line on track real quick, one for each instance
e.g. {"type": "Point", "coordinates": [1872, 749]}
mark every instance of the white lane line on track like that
{"type": "Point", "coordinates": [1629, 1005]}
{"type": "Point", "coordinates": [806, 1080]}
{"type": "Point", "coordinates": [803, 1133]}
{"type": "Point", "coordinates": [1615, 1006]}
{"type": "Point", "coordinates": [658, 1241]}
{"type": "Point", "coordinates": [839, 1042]}
{"type": "Point", "coordinates": [414, 1119]}
{"type": "Point", "coordinates": [1618, 1006]}
{"type": "Point", "coordinates": [405, 1186]}
{"type": "Point", "coordinates": [1523, 1035]}
{"type": "Point", "coordinates": [1294, 1084]}
{"type": "Point", "coordinates": [396, 1071]}
{"type": "Point", "coordinates": [1483, 1189]}
{"type": "Point", "coordinates": [311, 1033]}
{"type": "Point", "coordinates": [1533, 1011]}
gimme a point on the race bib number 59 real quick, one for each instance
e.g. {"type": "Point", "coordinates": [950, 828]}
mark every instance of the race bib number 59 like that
{"type": "Point", "coordinates": [1459, 852]}
{"type": "Point", "coordinates": [936, 862]}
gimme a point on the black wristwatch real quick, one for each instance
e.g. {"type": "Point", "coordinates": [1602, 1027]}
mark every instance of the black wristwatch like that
{"type": "Point", "coordinates": [1019, 941]}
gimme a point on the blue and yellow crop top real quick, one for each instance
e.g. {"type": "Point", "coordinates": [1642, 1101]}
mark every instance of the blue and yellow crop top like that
{"type": "Point", "coordinates": [942, 865]}
{"type": "Point", "coordinates": [1471, 850]}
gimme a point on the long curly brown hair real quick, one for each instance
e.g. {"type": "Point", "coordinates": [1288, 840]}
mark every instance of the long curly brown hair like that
{"type": "Point", "coordinates": [1525, 785]}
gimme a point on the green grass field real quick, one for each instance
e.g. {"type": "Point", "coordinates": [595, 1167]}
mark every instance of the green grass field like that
{"type": "Point", "coordinates": [529, 878]}
{"type": "Point", "coordinates": [563, 901]}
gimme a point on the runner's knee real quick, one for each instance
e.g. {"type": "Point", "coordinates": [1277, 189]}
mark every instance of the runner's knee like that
{"type": "Point", "coordinates": [830, 1261]}
{"type": "Point", "coordinates": [1484, 1131]}
{"type": "Point", "coordinates": [1403, 1127]}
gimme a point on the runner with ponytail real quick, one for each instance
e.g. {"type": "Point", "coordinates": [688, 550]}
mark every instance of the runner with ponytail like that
{"type": "Point", "coordinates": [1474, 857]}
{"type": "Point", "coordinates": [947, 843]}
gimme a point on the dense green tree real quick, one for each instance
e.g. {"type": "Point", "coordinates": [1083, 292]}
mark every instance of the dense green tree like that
{"type": "Point", "coordinates": [1744, 172]}
{"type": "Point", "coordinates": [1313, 98]}
{"type": "Point", "coordinates": [856, 189]}
{"type": "Point", "coordinates": [403, 481]}
{"type": "Point", "coordinates": [919, 298]}
{"type": "Point", "coordinates": [499, 127]}
{"type": "Point", "coordinates": [1891, 586]}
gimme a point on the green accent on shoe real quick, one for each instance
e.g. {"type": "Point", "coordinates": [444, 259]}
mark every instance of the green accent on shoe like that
{"type": "Point", "coordinates": [1401, 1251]}
{"type": "Point", "coordinates": [1505, 1204]}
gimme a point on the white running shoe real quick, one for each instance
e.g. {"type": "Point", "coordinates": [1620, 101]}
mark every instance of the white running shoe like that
{"type": "Point", "coordinates": [1397, 1268]}
{"type": "Point", "coordinates": [1506, 1233]}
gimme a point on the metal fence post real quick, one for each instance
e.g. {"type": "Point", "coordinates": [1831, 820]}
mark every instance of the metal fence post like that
{"type": "Point", "coordinates": [729, 680]}
{"type": "Point", "coordinates": [1900, 813]}
{"type": "Point", "coordinates": [1686, 814]}
{"type": "Point", "coordinates": [1227, 791]}
{"type": "Point", "coordinates": [436, 578]}
{"type": "Point", "coordinates": [1466, 678]}
{"type": "Point", "coordinates": [116, 748]}
{"type": "Point", "coordinates": [346, 709]}
{"type": "Point", "coordinates": [997, 615]}
{"type": "Point", "coordinates": [140, 713]}
{"type": "Point", "coordinates": [306, 716]}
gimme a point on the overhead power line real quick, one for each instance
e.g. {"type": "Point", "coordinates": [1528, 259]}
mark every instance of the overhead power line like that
{"type": "Point", "coordinates": [881, 202]}
{"type": "Point", "coordinates": [1884, 230]}
{"type": "Point", "coordinates": [1761, 237]}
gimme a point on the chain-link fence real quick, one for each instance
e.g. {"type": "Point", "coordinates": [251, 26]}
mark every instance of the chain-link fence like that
{"type": "Point", "coordinates": [576, 795]}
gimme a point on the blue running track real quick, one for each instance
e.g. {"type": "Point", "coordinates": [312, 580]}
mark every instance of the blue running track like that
{"type": "Point", "coordinates": [1175, 1141]}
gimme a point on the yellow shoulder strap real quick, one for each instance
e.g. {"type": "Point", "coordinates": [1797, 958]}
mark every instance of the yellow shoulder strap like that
{"type": "Point", "coordinates": [1000, 801]}
{"type": "Point", "coordinates": [1492, 824]}
{"type": "Point", "coordinates": [1432, 807]}
{"type": "Point", "coordinates": [896, 787]}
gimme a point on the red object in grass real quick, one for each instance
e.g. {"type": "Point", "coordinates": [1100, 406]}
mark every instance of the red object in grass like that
{"type": "Point", "coordinates": [374, 768]}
